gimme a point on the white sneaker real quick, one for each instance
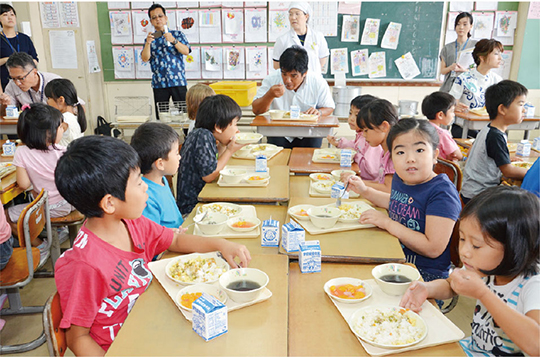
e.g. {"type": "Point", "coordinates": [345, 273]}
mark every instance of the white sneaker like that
{"type": "Point", "coordinates": [44, 253]}
{"type": "Point", "coordinates": [63, 234]}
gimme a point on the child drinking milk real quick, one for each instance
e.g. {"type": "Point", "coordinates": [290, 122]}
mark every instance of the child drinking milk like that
{"type": "Point", "coordinates": [498, 245]}
{"type": "Point", "coordinates": [62, 95]}
{"type": "Point", "coordinates": [422, 206]}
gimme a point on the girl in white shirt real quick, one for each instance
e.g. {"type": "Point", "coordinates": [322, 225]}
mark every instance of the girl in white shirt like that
{"type": "Point", "coordinates": [62, 95]}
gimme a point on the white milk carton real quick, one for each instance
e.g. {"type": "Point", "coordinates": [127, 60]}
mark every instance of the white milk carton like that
{"type": "Point", "coordinates": [270, 233]}
{"type": "Point", "coordinates": [295, 112]}
{"type": "Point", "coordinates": [310, 257]}
{"type": "Point", "coordinates": [261, 163]}
{"type": "Point", "coordinates": [8, 148]}
{"type": "Point", "coordinates": [524, 148]}
{"type": "Point", "coordinates": [536, 144]}
{"type": "Point", "coordinates": [529, 110]}
{"type": "Point", "coordinates": [337, 191]}
{"type": "Point", "coordinates": [292, 234]}
{"type": "Point", "coordinates": [209, 317]}
{"type": "Point", "coordinates": [346, 158]}
{"type": "Point", "coordinates": [12, 111]}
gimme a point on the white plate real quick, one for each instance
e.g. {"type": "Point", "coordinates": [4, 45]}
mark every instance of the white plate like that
{"type": "Point", "coordinates": [352, 281]}
{"type": "Point", "coordinates": [184, 258]}
{"type": "Point", "coordinates": [230, 209]}
{"type": "Point", "coordinates": [357, 330]}
{"type": "Point", "coordinates": [360, 206]}
{"type": "Point", "coordinates": [200, 288]}
{"type": "Point", "coordinates": [248, 138]}
{"type": "Point", "coordinates": [321, 177]}
{"type": "Point", "coordinates": [256, 148]}
{"type": "Point", "coordinates": [293, 210]}
{"type": "Point", "coordinates": [323, 186]}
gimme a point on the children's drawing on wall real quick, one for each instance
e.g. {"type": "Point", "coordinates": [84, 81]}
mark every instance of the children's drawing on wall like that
{"type": "Point", "coordinates": [505, 22]}
{"type": "Point", "coordinates": [120, 27]}
{"type": "Point", "coordinates": [233, 59]}
{"type": "Point", "coordinates": [407, 66]}
{"type": "Point", "coordinates": [350, 31]}
{"type": "Point", "coordinates": [142, 69]}
{"type": "Point", "coordinates": [483, 24]}
{"type": "Point", "coordinates": [212, 63]}
{"type": "Point", "coordinates": [234, 63]}
{"type": "Point", "coordinates": [359, 62]}
{"type": "Point", "coordinates": [370, 36]}
{"type": "Point", "coordinates": [278, 24]}
{"type": "Point", "coordinates": [192, 63]}
{"type": "Point", "coordinates": [187, 21]}
{"type": "Point", "coordinates": [210, 26]}
{"type": "Point", "coordinates": [256, 62]}
{"type": "Point", "coordinates": [233, 26]}
{"type": "Point", "coordinates": [141, 26]}
{"type": "Point", "coordinates": [504, 68]}
{"type": "Point", "coordinates": [391, 36]}
{"type": "Point", "coordinates": [377, 65]}
{"type": "Point", "coordinates": [124, 63]}
{"type": "Point", "coordinates": [338, 58]}
{"type": "Point", "coordinates": [255, 25]}
{"type": "Point", "coordinates": [211, 60]}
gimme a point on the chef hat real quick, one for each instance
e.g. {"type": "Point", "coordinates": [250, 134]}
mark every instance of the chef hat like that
{"type": "Point", "coordinates": [301, 5]}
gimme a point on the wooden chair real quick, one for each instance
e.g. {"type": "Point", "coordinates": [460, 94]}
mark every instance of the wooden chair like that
{"type": "Point", "coordinates": [451, 169]}
{"type": "Point", "coordinates": [21, 267]}
{"type": "Point", "coordinates": [56, 336]}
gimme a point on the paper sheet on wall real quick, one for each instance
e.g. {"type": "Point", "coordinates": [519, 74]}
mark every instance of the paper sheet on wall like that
{"type": "Point", "coordinates": [255, 25]}
{"type": "Point", "coordinates": [233, 25]}
{"type": "Point", "coordinates": [370, 36]}
{"type": "Point", "coordinates": [187, 4]}
{"type": "Point", "coordinates": [187, 21]}
{"type": "Point", "coordinates": [504, 68]}
{"type": "Point", "coordinates": [270, 58]}
{"type": "Point", "coordinates": [278, 5]}
{"type": "Point", "coordinates": [407, 66]}
{"type": "Point", "coordinates": [465, 58]}
{"type": "Point", "coordinates": [120, 27]}
{"type": "Point", "coordinates": [141, 5]}
{"type": "Point", "coordinates": [69, 14]}
{"type": "Point", "coordinates": [325, 17]}
{"type": "Point", "coordinates": [505, 23]}
{"type": "Point", "coordinates": [50, 14]}
{"type": "Point", "coordinates": [391, 36]}
{"type": "Point", "coordinates": [451, 22]}
{"type": "Point", "coordinates": [142, 69]}
{"type": "Point", "coordinates": [235, 67]}
{"type": "Point", "coordinates": [63, 49]}
{"type": "Point", "coordinates": [349, 7]}
{"type": "Point", "coordinates": [210, 26]}
{"type": "Point", "coordinates": [171, 23]}
{"type": "Point", "coordinates": [359, 62]}
{"type": "Point", "coordinates": [483, 25]}
{"type": "Point", "coordinates": [210, 3]}
{"type": "Point", "coordinates": [91, 54]}
{"type": "Point", "coordinates": [506, 40]}
{"type": "Point", "coordinates": [258, 4]}
{"type": "Point", "coordinates": [141, 26]}
{"type": "Point", "coordinates": [256, 62]}
{"type": "Point", "coordinates": [112, 5]}
{"type": "Point", "coordinates": [450, 36]}
{"type": "Point", "coordinates": [232, 4]}
{"type": "Point", "coordinates": [461, 6]}
{"type": "Point", "coordinates": [377, 65]}
{"type": "Point", "coordinates": [350, 30]}
{"type": "Point", "coordinates": [485, 5]}
{"type": "Point", "coordinates": [124, 63]}
{"type": "Point", "coordinates": [211, 62]}
{"type": "Point", "coordinates": [339, 60]}
{"type": "Point", "coordinates": [534, 10]}
{"type": "Point", "coordinates": [192, 63]}
{"type": "Point", "coordinates": [278, 24]}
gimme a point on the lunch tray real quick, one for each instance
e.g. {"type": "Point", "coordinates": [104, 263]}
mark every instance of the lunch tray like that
{"type": "Point", "coordinates": [314, 193]}
{"type": "Point", "coordinates": [158, 269]}
{"type": "Point", "coordinates": [440, 329]}
{"type": "Point", "coordinates": [247, 211]}
{"type": "Point", "coordinates": [249, 171]}
{"type": "Point", "coordinates": [250, 156]}
{"type": "Point", "coordinates": [318, 153]}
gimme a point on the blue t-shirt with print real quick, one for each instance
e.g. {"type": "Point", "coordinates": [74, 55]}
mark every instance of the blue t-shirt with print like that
{"type": "Point", "coordinates": [410, 204]}
{"type": "Point", "coordinates": [167, 63]}
{"type": "Point", "coordinates": [161, 206]}
{"type": "Point", "coordinates": [199, 159]}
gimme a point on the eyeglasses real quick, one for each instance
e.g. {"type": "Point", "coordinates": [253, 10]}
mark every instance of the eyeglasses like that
{"type": "Point", "coordinates": [23, 78]}
{"type": "Point", "coordinates": [157, 16]}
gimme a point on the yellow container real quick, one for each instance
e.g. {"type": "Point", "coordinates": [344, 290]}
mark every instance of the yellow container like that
{"type": "Point", "coordinates": [241, 91]}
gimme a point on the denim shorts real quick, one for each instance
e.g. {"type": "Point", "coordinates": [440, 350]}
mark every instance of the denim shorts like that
{"type": "Point", "coordinates": [6, 249]}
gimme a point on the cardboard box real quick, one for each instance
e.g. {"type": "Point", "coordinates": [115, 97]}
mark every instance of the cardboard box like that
{"type": "Point", "coordinates": [270, 233]}
{"type": "Point", "coordinates": [292, 234]}
{"type": "Point", "coordinates": [310, 257]}
{"type": "Point", "coordinates": [241, 91]}
{"type": "Point", "coordinates": [209, 317]}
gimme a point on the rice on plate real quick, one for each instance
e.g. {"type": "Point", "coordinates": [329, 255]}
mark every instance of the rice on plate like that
{"type": "Point", "coordinates": [196, 269]}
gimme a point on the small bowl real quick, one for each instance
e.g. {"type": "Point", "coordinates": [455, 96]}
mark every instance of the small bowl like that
{"type": "Point", "coordinates": [200, 288]}
{"type": "Point", "coordinates": [232, 175]}
{"type": "Point", "coordinates": [337, 174]}
{"type": "Point", "coordinates": [356, 207]}
{"type": "Point", "coordinates": [248, 138]}
{"type": "Point", "coordinates": [295, 210]}
{"type": "Point", "coordinates": [321, 177]}
{"type": "Point", "coordinates": [323, 186]}
{"type": "Point", "coordinates": [324, 217]}
{"type": "Point", "coordinates": [244, 274]}
{"type": "Point", "coordinates": [254, 221]}
{"type": "Point", "coordinates": [213, 223]}
{"type": "Point", "coordinates": [396, 289]}
{"type": "Point", "coordinates": [257, 178]}
{"type": "Point", "coordinates": [342, 281]}
{"type": "Point", "coordinates": [277, 114]}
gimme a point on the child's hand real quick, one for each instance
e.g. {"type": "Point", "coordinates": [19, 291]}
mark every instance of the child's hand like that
{"type": "Point", "coordinates": [233, 147]}
{"type": "Point", "coordinates": [467, 283]}
{"type": "Point", "coordinates": [231, 250]}
{"type": "Point", "coordinates": [415, 296]}
{"type": "Point", "coordinates": [356, 184]}
{"type": "Point", "coordinates": [344, 176]}
{"type": "Point", "coordinates": [332, 140]}
{"type": "Point", "coordinates": [375, 217]}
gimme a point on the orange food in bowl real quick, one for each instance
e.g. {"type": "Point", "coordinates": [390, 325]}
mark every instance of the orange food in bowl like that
{"type": "Point", "coordinates": [348, 291]}
{"type": "Point", "coordinates": [323, 177]}
{"type": "Point", "coordinates": [302, 213]}
{"type": "Point", "coordinates": [187, 299]}
{"type": "Point", "coordinates": [328, 157]}
{"type": "Point", "coordinates": [255, 178]}
{"type": "Point", "coordinates": [243, 224]}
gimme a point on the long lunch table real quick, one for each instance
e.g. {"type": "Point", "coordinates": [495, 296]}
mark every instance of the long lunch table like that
{"type": "Point", "coordinates": [364, 245]}
{"type": "Point", "coordinates": [276, 191]}
{"type": "Point", "coordinates": [319, 129]}
{"type": "Point", "coordinates": [316, 327]}
{"type": "Point", "coordinates": [301, 163]}
{"type": "Point", "coordinates": [8, 126]}
{"type": "Point", "coordinates": [281, 158]}
{"type": "Point", "coordinates": [156, 327]}
{"type": "Point", "coordinates": [471, 121]}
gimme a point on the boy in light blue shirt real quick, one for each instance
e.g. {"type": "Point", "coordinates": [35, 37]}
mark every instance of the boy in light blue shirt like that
{"type": "Point", "coordinates": [157, 146]}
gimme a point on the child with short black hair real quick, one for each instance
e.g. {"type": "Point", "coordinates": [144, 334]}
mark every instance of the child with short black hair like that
{"type": "Point", "coordinates": [489, 158]}
{"type": "Point", "coordinates": [102, 276]}
{"type": "Point", "coordinates": [439, 107]}
{"type": "Point", "coordinates": [202, 158]}
{"type": "Point", "coordinates": [499, 241]}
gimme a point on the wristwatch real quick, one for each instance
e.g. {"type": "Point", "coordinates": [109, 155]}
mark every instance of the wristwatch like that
{"type": "Point", "coordinates": [175, 42]}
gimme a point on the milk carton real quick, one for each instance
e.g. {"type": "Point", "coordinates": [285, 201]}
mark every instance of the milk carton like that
{"type": "Point", "coordinates": [295, 112]}
{"type": "Point", "coordinates": [292, 234]}
{"type": "Point", "coordinates": [524, 148]}
{"type": "Point", "coordinates": [346, 158]}
{"type": "Point", "coordinates": [12, 111]}
{"type": "Point", "coordinates": [337, 191]}
{"type": "Point", "coordinates": [270, 233]}
{"type": "Point", "coordinates": [529, 110]}
{"type": "Point", "coordinates": [261, 163]}
{"type": "Point", "coordinates": [209, 317]}
{"type": "Point", "coordinates": [8, 148]}
{"type": "Point", "coordinates": [310, 257]}
{"type": "Point", "coordinates": [536, 144]}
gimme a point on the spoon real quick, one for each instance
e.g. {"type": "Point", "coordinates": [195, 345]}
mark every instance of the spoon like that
{"type": "Point", "coordinates": [198, 218]}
